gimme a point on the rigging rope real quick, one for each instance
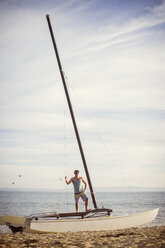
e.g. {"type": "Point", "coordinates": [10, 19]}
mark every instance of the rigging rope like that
{"type": "Point", "coordinates": [105, 146]}
{"type": "Point", "coordinates": [100, 138]}
{"type": "Point", "coordinates": [65, 149]}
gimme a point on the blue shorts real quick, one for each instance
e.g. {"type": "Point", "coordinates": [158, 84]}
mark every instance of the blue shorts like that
{"type": "Point", "coordinates": [82, 195]}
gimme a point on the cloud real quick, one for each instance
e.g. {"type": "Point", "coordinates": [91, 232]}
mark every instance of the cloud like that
{"type": "Point", "coordinates": [115, 74]}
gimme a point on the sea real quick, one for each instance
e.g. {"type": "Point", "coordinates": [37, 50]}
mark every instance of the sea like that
{"type": "Point", "coordinates": [24, 203]}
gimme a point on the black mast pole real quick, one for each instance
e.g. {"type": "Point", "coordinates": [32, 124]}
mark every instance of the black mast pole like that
{"type": "Point", "coordinates": [71, 112]}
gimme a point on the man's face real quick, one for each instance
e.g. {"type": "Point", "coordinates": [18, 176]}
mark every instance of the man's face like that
{"type": "Point", "coordinates": [76, 173]}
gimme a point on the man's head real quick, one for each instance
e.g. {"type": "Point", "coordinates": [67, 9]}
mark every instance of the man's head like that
{"type": "Point", "coordinates": [76, 172]}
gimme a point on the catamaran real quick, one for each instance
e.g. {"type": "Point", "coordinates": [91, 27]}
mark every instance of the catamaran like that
{"type": "Point", "coordinates": [96, 219]}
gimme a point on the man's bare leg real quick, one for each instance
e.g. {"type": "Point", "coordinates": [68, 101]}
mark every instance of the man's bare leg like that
{"type": "Point", "coordinates": [86, 205]}
{"type": "Point", "coordinates": [76, 207]}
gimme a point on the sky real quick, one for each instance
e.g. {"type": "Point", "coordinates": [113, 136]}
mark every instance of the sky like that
{"type": "Point", "coordinates": [113, 55]}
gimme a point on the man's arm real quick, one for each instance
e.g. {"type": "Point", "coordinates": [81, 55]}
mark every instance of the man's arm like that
{"type": "Point", "coordinates": [68, 182]}
{"type": "Point", "coordinates": [85, 184]}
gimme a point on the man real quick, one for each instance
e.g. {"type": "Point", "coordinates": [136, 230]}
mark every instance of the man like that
{"type": "Point", "coordinates": [78, 189]}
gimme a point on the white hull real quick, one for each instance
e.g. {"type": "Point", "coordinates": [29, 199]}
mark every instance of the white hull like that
{"type": "Point", "coordinates": [94, 224]}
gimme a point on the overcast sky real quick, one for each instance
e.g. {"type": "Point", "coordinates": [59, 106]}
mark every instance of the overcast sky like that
{"type": "Point", "coordinates": [113, 55]}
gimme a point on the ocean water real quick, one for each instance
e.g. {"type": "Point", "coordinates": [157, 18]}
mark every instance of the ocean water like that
{"type": "Point", "coordinates": [24, 203]}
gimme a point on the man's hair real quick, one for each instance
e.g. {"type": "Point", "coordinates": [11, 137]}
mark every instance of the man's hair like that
{"type": "Point", "coordinates": [76, 171]}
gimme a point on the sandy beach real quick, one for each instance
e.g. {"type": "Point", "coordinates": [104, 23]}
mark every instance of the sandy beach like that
{"type": "Point", "coordinates": [132, 237]}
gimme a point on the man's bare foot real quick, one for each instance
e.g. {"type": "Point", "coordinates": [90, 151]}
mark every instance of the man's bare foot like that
{"type": "Point", "coordinates": [88, 210]}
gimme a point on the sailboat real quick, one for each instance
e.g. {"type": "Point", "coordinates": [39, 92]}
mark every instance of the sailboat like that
{"type": "Point", "coordinates": [96, 219]}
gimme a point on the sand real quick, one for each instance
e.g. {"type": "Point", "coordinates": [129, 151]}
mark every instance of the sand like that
{"type": "Point", "coordinates": [132, 237]}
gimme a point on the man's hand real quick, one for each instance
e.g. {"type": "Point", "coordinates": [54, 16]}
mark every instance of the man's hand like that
{"type": "Point", "coordinates": [66, 180]}
{"type": "Point", "coordinates": [84, 190]}
{"type": "Point", "coordinates": [71, 180]}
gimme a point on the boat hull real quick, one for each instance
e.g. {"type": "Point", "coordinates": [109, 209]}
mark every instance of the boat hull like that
{"type": "Point", "coordinates": [94, 224]}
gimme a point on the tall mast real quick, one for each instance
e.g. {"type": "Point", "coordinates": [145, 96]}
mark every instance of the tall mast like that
{"type": "Point", "coordinates": [71, 112]}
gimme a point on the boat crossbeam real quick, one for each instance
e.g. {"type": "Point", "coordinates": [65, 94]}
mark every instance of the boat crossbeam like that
{"type": "Point", "coordinates": [105, 211]}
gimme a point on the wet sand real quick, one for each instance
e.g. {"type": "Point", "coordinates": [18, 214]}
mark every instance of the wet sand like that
{"type": "Point", "coordinates": [132, 237]}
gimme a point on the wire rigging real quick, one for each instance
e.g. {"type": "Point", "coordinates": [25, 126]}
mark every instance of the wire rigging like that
{"type": "Point", "coordinates": [65, 148]}
{"type": "Point", "coordinates": [116, 166]}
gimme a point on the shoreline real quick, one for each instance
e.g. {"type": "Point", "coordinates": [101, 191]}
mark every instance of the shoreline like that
{"type": "Point", "coordinates": [132, 237]}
